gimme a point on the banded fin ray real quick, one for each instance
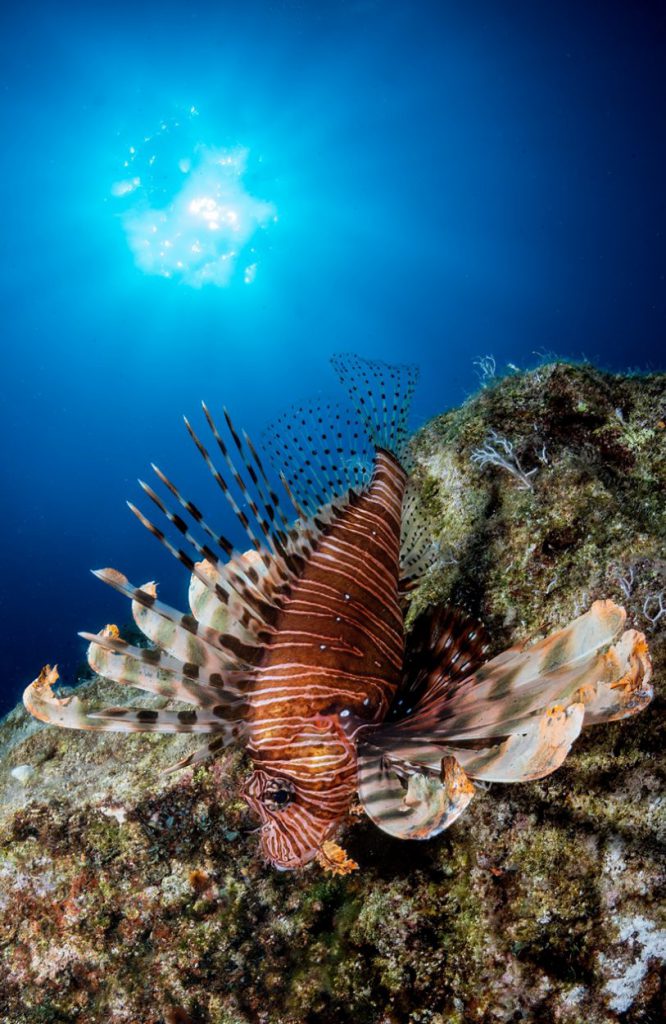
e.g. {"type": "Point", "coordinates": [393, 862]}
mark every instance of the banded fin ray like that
{"type": "Point", "coordinates": [182, 644]}
{"type": "Point", "coordinates": [409, 803]}
{"type": "Point", "coordinates": [588, 655]}
{"type": "Point", "coordinates": [70, 713]}
{"type": "Point", "coordinates": [229, 581]}
{"type": "Point", "coordinates": [225, 618]}
{"type": "Point", "coordinates": [191, 642]}
{"type": "Point", "coordinates": [156, 672]}
{"type": "Point", "coordinates": [255, 605]}
{"type": "Point", "coordinates": [254, 595]}
{"type": "Point", "coordinates": [254, 526]}
{"type": "Point", "coordinates": [150, 720]}
{"type": "Point", "coordinates": [537, 750]}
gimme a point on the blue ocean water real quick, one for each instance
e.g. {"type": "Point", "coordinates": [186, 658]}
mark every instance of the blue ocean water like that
{"type": "Point", "coordinates": [410, 182]}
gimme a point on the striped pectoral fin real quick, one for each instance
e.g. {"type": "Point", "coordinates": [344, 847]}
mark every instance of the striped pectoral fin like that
{"type": "Point", "coordinates": [587, 662]}
{"type": "Point", "coordinates": [152, 670]}
{"type": "Point", "coordinates": [538, 748]}
{"type": "Point", "coordinates": [552, 666]}
{"type": "Point", "coordinates": [68, 712]}
{"type": "Point", "coordinates": [180, 635]}
{"type": "Point", "coordinates": [234, 616]}
{"type": "Point", "coordinates": [168, 633]}
{"type": "Point", "coordinates": [407, 803]}
{"type": "Point", "coordinates": [623, 688]}
{"type": "Point", "coordinates": [441, 649]}
{"type": "Point", "coordinates": [150, 720]}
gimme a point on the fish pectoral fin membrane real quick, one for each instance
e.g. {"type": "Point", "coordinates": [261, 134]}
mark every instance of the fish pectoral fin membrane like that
{"type": "Point", "coordinates": [407, 803]}
{"type": "Point", "coordinates": [589, 662]}
{"type": "Point", "coordinates": [180, 635]}
{"type": "Point", "coordinates": [67, 712]}
{"type": "Point", "coordinates": [70, 713]}
{"type": "Point", "coordinates": [442, 648]}
{"type": "Point", "coordinates": [148, 669]}
{"type": "Point", "coordinates": [124, 719]}
{"type": "Point", "coordinates": [623, 688]}
{"type": "Point", "coordinates": [537, 750]}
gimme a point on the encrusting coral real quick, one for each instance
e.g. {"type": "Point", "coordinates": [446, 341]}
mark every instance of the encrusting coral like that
{"type": "Point", "coordinates": [135, 896]}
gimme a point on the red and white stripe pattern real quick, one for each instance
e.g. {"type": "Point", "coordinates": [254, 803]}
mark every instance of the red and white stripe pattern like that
{"type": "Point", "coordinates": [334, 660]}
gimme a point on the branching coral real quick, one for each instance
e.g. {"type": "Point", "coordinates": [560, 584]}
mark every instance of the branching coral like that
{"type": "Point", "coordinates": [499, 451]}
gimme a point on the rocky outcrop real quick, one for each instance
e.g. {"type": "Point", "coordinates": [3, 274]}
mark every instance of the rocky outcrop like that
{"type": "Point", "coordinates": [131, 897]}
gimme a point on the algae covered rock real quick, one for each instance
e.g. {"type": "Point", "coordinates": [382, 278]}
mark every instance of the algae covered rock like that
{"type": "Point", "coordinates": [129, 896]}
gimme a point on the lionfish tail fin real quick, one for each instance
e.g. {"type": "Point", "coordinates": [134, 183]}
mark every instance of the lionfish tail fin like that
{"type": "Point", "coordinates": [381, 395]}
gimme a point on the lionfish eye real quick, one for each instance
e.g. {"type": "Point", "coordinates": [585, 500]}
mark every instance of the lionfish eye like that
{"type": "Point", "coordinates": [278, 793]}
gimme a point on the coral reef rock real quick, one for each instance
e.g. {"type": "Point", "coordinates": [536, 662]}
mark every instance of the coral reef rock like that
{"type": "Point", "coordinates": [133, 897]}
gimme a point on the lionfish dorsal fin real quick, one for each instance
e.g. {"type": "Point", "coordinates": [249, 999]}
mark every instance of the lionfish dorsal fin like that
{"type": "Point", "coordinates": [238, 470]}
{"type": "Point", "coordinates": [321, 452]}
{"type": "Point", "coordinates": [324, 450]}
{"type": "Point", "coordinates": [381, 394]}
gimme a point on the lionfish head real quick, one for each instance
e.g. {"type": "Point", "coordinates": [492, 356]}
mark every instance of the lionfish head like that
{"type": "Point", "coordinates": [293, 826]}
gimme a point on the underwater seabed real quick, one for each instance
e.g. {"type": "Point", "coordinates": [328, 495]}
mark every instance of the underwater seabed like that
{"type": "Point", "coordinates": [131, 896]}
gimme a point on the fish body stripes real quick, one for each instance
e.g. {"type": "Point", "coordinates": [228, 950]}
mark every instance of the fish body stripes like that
{"type": "Point", "coordinates": [337, 652]}
{"type": "Point", "coordinates": [297, 648]}
{"type": "Point", "coordinates": [339, 637]}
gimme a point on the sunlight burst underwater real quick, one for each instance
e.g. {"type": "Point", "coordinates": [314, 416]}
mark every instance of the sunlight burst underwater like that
{"type": "Point", "coordinates": [188, 214]}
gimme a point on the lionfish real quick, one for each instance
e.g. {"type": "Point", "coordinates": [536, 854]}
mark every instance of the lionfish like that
{"type": "Point", "coordinates": [297, 648]}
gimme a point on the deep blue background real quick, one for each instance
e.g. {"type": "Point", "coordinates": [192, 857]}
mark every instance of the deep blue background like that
{"type": "Point", "coordinates": [449, 185]}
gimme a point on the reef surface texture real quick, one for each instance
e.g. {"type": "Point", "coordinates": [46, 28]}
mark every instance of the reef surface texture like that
{"type": "Point", "coordinates": [130, 897]}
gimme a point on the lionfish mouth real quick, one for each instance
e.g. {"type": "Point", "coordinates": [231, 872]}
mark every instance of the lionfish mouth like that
{"type": "Point", "coordinates": [286, 849]}
{"type": "Point", "coordinates": [287, 863]}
